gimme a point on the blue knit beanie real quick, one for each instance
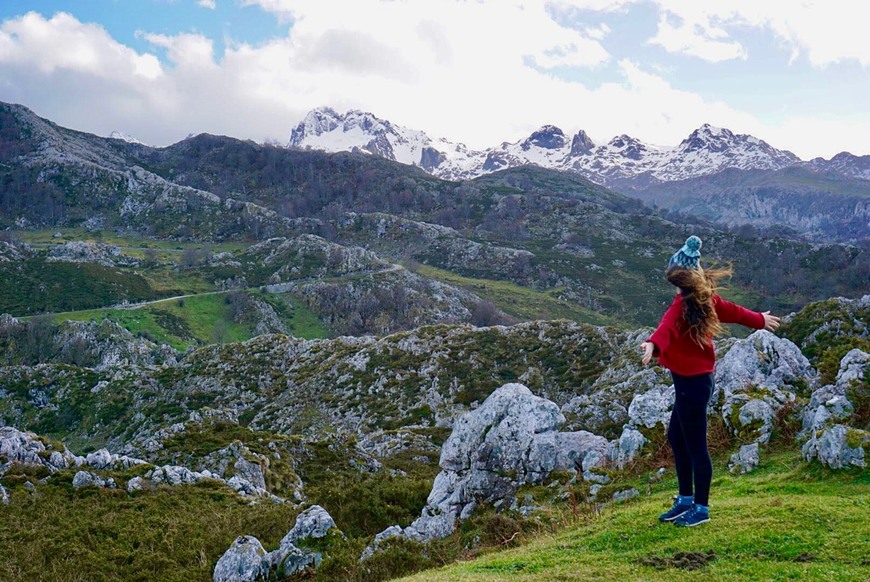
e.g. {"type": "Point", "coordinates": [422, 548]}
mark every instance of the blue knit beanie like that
{"type": "Point", "coordinates": [688, 255]}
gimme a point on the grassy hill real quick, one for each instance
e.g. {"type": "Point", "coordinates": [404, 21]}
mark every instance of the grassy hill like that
{"type": "Point", "coordinates": [785, 521]}
{"type": "Point", "coordinates": [201, 319]}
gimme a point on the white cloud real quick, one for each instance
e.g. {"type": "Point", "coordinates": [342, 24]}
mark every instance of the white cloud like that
{"type": "Point", "coordinates": [458, 70]}
{"type": "Point", "coordinates": [824, 31]}
{"type": "Point", "coordinates": [698, 40]}
{"type": "Point", "coordinates": [210, 4]}
{"type": "Point", "coordinates": [185, 50]}
{"type": "Point", "coordinates": [64, 43]}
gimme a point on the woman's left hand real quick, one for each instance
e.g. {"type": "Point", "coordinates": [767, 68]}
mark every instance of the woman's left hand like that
{"type": "Point", "coordinates": [771, 322]}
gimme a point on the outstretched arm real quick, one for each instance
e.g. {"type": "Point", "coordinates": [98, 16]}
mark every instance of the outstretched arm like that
{"type": "Point", "coordinates": [732, 313]}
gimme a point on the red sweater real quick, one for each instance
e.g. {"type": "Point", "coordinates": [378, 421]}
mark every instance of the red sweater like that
{"type": "Point", "coordinates": [676, 349]}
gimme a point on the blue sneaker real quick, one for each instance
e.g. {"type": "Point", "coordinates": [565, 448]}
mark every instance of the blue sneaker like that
{"type": "Point", "coordinates": [697, 515]}
{"type": "Point", "coordinates": [676, 511]}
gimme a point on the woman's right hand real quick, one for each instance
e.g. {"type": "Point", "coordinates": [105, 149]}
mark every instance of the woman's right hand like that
{"type": "Point", "coordinates": [771, 322]}
{"type": "Point", "coordinates": [648, 348]}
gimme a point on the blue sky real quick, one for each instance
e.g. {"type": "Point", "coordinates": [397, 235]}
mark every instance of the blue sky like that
{"type": "Point", "coordinates": [791, 72]}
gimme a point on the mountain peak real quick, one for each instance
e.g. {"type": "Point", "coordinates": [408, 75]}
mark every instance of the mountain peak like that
{"type": "Point", "coordinates": [628, 147]}
{"type": "Point", "coordinates": [712, 138]}
{"type": "Point", "coordinates": [582, 144]}
{"type": "Point", "coordinates": [316, 122]}
{"type": "Point", "coordinates": [547, 137]}
{"type": "Point", "coordinates": [125, 137]}
{"type": "Point", "coordinates": [707, 150]}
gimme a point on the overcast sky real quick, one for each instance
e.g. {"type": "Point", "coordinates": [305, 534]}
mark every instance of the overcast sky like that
{"type": "Point", "coordinates": [791, 72]}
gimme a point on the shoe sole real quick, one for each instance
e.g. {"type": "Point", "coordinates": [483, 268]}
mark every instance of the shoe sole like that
{"type": "Point", "coordinates": [692, 524]}
{"type": "Point", "coordinates": [667, 519]}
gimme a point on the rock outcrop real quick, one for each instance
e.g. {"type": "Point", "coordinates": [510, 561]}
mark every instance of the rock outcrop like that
{"type": "Point", "coordinates": [756, 378]}
{"type": "Point", "coordinates": [512, 439]}
{"type": "Point", "coordinates": [834, 436]}
{"type": "Point", "coordinates": [89, 252]}
{"type": "Point", "coordinates": [246, 560]}
{"type": "Point", "coordinates": [29, 450]}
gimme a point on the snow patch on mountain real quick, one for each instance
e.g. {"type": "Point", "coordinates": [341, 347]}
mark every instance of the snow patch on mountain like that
{"type": "Point", "coordinates": [325, 129]}
{"type": "Point", "coordinates": [125, 137]}
{"type": "Point", "coordinates": [707, 150]}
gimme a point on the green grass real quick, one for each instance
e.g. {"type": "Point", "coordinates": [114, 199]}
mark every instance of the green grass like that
{"type": "Point", "coordinates": [786, 521]}
{"type": "Point", "coordinates": [195, 320]}
{"type": "Point", "coordinates": [524, 303]}
{"type": "Point", "coordinates": [124, 241]}
{"type": "Point", "coordinates": [35, 285]}
{"type": "Point", "coordinates": [93, 535]}
{"type": "Point", "coordinates": [300, 320]}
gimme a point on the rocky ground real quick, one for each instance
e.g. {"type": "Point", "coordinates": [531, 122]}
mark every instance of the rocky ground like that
{"type": "Point", "coordinates": [543, 403]}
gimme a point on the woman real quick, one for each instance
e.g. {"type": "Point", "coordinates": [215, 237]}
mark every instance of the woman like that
{"type": "Point", "coordinates": [683, 343]}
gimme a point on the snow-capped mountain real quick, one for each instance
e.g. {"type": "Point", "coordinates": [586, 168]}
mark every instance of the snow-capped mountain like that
{"type": "Point", "coordinates": [124, 136]}
{"type": "Point", "coordinates": [325, 129]}
{"type": "Point", "coordinates": [707, 150]}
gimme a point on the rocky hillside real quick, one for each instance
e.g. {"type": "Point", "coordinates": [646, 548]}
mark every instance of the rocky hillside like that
{"type": "Point", "coordinates": [561, 238]}
{"type": "Point", "coordinates": [389, 442]}
{"type": "Point", "coordinates": [724, 177]}
{"type": "Point", "coordinates": [821, 206]}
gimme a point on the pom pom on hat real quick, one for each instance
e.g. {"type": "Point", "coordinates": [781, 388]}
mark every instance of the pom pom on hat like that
{"type": "Point", "coordinates": [688, 255]}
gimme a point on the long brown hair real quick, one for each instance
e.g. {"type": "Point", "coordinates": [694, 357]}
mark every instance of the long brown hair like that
{"type": "Point", "coordinates": [698, 287]}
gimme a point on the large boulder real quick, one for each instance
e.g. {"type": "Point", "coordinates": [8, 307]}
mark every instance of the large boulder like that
{"type": "Point", "coordinates": [830, 404]}
{"type": "Point", "coordinates": [103, 459]}
{"type": "Point", "coordinates": [512, 439]}
{"type": "Point", "coordinates": [301, 549]}
{"type": "Point", "coordinates": [294, 552]}
{"type": "Point", "coordinates": [652, 407]}
{"type": "Point", "coordinates": [834, 435]}
{"type": "Point", "coordinates": [28, 449]}
{"type": "Point", "coordinates": [245, 561]}
{"type": "Point", "coordinates": [86, 478]}
{"type": "Point", "coordinates": [648, 413]}
{"type": "Point", "coordinates": [754, 380]}
{"type": "Point", "coordinates": [839, 447]}
{"type": "Point", "coordinates": [627, 447]}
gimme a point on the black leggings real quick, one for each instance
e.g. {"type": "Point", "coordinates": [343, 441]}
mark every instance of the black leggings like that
{"type": "Point", "coordinates": [687, 435]}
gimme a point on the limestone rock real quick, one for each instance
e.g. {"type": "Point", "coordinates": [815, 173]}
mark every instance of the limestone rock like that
{"type": "Point", "coordinates": [830, 404]}
{"type": "Point", "coordinates": [652, 407]}
{"type": "Point", "coordinates": [89, 252]}
{"type": "Point", "coordinates": [509, 440]}
{"type": "Point", "coordinates": [175, 475]}
{"type": "Point", "coordinates": [244, 561]}
{"type": "Point", "coordinates": [103, 459]}
{"type": "Point", "coordinates": [838, 447]}
{"type": "Point", "coordinates": [744, 460]}
{"type": "Point", "coordinates": [627, 447]}
{"type": "Point", "coordinates": [251, 472]}
{"type": "Point", "coordinates": [293, 560]}
{"type": "Point", "coordinates": [85, 478]}
{"type": "Point", "coordinates": [27, 448]}
{"type": "Point", "coordinates": [756, 378]}
{"type": "Point", "coordinates": [394, 531]}
{"type": "Point", "coordinates": [313, 523]}
{"type": "Point", "coordinates": [292, 555]}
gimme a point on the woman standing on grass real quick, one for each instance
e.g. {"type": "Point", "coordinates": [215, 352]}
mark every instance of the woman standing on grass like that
{"type": "Point", "coordinates": [683, 343]}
